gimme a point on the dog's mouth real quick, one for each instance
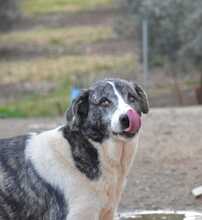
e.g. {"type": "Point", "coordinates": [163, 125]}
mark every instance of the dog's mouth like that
{"type": "Point", "coordinates": [130, 124]}
{"type": "Point", "coordinates": [125, 134]}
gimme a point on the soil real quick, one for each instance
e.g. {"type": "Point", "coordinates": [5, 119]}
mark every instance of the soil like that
{"type": "Point", "coordinates": [104, 16]}
{"type": "Point", "coordinates": [168, 164]}
{"type": "Point", "coordinates": [18, 52]}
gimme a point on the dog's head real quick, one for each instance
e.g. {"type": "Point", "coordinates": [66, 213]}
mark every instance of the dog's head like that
{"type": "Point", "coordinates": [110, 108]}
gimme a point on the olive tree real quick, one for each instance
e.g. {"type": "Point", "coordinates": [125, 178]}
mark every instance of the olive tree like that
{"type": "Point", "coordinates": [191, 51]}
{"type": "Point", "coordinates": [165, 19]}
{"type": "Point", "coordinates": [191, 36]}
{"type": "Point", "coordinates": [175, 30]}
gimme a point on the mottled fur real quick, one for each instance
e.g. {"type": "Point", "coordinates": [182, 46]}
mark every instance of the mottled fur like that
{"type": "Point", "coordinates": [23, 194]}
{"type": "Point", "coordinates": [76, 171]}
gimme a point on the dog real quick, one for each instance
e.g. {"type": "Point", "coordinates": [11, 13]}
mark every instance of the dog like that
{"type": "Point", "coordinates": [76, 171]}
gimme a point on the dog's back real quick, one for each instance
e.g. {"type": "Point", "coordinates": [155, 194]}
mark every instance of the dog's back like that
{"type": "Point", "coordinates": [23, 194]}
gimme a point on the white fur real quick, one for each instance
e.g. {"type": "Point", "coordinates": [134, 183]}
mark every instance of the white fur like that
{"type": "Point", "coordinates": [51, 157]}
{"type": "Point", "coordinates": [122, 108]}
{"type": "Point", "coordinates": [93, 200]}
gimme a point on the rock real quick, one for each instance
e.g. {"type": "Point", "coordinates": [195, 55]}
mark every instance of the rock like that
{"type": "Point", "coordinates": [197, 192]}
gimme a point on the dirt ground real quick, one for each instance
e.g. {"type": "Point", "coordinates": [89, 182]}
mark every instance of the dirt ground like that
{"type": "Point", "coordinates": [168, 163]}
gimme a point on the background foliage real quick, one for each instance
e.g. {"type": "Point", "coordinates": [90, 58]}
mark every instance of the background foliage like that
{"type": "Point", "coordinates": [175, 31]}
{"type": "Point", "coordinates": [47, 46]}
{"type": "Point", "coordinates": [9, 13]}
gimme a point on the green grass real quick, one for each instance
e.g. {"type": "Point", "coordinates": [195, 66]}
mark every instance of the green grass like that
{"type": "Point", "coordinates": [47, 6]}
{"type": "Point", "coordinates": [10, 112]}
{"type": "Point", "coordinates": [71, 37]}
{"type": "Point", "coordinates": [53, 104]}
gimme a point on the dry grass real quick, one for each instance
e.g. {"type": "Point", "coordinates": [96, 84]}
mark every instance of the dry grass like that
{"type": "Point", "coordinates": [46, 6]}
{"type": "Point", "coordinates": [62, 67]}
{"type": "Point", "coordinates": [59, 37]}
{"type": "Point", "coordinates": [63, 71]}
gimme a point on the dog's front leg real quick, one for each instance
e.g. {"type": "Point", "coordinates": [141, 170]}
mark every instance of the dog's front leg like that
{"type": "Point", "coordinates": [87, 213]}
{"type": "Point", "coordinates": [107, 214]}
{"type": "Point", "coordinates": [83, 216]}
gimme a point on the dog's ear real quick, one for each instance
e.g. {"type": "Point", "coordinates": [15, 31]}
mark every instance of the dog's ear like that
{"type": "Point", "coordinates": [78, 110]}
{"type": "Point", "coordinates": [144, 103]}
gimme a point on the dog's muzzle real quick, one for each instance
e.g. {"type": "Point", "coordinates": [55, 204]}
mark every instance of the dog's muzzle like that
{"type": "Point", "coordinates": [130, 122]}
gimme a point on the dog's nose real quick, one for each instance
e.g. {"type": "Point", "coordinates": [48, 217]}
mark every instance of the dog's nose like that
{"type": "Point", "coordinates": [124, 120]}
{"type": "Point", "coordinates": [130, 122]}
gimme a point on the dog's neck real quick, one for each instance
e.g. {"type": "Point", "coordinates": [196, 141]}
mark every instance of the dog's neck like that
{"type": "Point", "coordinates": [117, 153]}
{"type": "Point", "coordinates": [116, 158]}
{"type": "Point", "coordinates": [100, 167]}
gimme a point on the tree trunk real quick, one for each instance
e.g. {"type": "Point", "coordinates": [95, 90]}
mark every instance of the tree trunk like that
{"type": "Point", "coordinates": [177, 89]}
{"type": "Point", "coordinates": [198, 92]}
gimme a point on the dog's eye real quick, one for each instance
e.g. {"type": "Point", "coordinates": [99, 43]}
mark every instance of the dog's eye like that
{"type": "Point", "coordinates": [131, 98]}
{"type": "Point", "coordinates": [104, 102]}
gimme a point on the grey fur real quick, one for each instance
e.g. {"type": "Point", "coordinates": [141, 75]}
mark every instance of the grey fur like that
{"type": "Point", "coordinates": [91, 119]}
{"type": "Point", "coordinates": [84, 154]}
{"type": "Point", "coordinates": [24, 195]}
{"type": "Point", "coordinates": [143, 99]}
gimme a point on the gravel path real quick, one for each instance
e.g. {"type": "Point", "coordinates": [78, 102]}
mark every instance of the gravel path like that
{"type": "Point", "coordinates": [168, 163]}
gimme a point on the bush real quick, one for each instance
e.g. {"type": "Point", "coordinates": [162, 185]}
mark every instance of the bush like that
{"type": "Point", "coordinates": [9, 13]}
{"type": "Point", "coordinates": [174, 27]}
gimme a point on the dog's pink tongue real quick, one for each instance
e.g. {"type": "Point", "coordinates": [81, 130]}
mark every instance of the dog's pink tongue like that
{"type": "Point", "coordinates": [134, 121]}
